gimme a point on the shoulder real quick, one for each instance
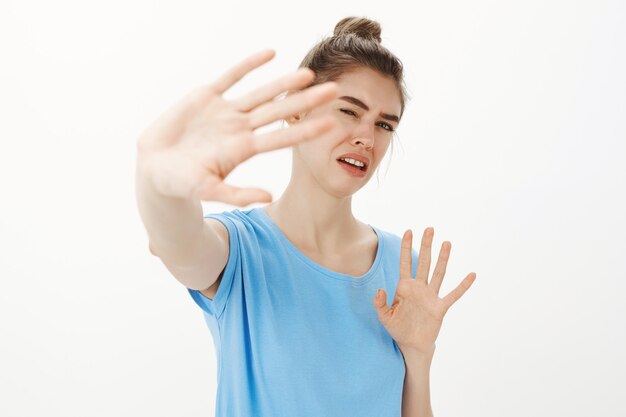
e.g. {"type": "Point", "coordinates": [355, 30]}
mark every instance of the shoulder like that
{"type": "Point", "coordinates": [240, 226]}
{"type": "Point", "coordinates": [231, 218]}
{"type": "Point", "coordinates": [388, 237]}
{"type": "Point", "coordinates": [393, 241]}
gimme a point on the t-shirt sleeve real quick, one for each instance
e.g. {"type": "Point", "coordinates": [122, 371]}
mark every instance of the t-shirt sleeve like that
{"type": "Point", "coordinates": [232, 270]}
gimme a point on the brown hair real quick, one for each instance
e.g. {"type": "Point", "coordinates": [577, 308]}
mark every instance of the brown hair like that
{"type": "Point", "coordinates": [356, 43]}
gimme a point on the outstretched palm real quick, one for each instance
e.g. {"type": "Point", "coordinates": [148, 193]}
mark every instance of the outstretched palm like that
{"type": "Point", "coordinates": [192, 147]}
{"type": "Point", "coordinates": [416, 313]}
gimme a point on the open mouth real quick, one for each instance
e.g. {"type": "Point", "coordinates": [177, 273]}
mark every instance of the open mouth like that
{"type": "Point", "coordinates": [363, 168]}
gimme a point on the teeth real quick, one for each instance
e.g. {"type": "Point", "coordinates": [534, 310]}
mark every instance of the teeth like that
{"type": "Point", "coordinates": [353, 162]}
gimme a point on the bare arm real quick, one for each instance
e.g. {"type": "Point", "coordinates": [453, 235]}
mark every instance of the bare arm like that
{"type": "Point", "coordinates": [173, 224]}
{"type": "Point", "coordinates": [191, 249]}
{"type": "Point", "coordinates": [416, 392]}
{"type": "Point", "coordinates": [185, 155]}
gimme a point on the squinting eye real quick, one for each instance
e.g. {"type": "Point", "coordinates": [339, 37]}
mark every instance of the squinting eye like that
{"type": "Point", "coordinates": [387, 126]}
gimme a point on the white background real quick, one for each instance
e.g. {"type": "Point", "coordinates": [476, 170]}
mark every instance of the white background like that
{"type": "Point", "coordinates": [512, 147]}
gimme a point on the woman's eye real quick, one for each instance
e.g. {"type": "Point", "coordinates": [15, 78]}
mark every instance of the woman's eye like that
{"type": "Point", "coordinates": [350, 112]}
{"type": "Point", "coordinates": [386, 125]}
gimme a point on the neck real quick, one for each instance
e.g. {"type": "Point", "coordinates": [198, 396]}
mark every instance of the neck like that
{"type": "Point", "coordinates": [311, 216]}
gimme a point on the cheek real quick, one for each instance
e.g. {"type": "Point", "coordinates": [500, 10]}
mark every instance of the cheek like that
{"type": "Point", "coordinates": [383, 148]}
{"type": "Point", "coordinates": [312, 152]}
{"type": "Point", "coordinates": [380, 152]}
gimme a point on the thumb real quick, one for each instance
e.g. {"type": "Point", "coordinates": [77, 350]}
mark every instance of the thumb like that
{"type": "Point", "coordinates": [380, 302]}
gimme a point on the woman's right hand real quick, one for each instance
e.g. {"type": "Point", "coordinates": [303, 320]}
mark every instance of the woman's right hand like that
{"type": "Point", "coordinates": [191, 148]}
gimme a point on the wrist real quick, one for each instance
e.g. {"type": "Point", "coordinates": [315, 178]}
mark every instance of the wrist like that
{"type": "Point", "coordinates": [417, 356]}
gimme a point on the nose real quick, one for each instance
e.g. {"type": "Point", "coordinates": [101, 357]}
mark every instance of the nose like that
{"type": "Point", "coordinates": [366, 140]}
{"type": "Point", "coordinates": [367, 143]}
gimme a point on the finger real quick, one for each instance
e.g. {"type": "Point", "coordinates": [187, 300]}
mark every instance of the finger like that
{"type": "Point", "coordinates": [406, 259]}
{"type": "Point", "coordinates": [458, 292]}
{"type": "Point", "coordinates": [236, 72]}
{"type": "Point", "coordinates": [440, 268]}
{"type": "Point", "coordinates": [215, 190]}
{"type": "Point", "coordinates": [292, 104]}
{"type": "Point", "coordinates": [380, 303]}
{"type": "Point", "coordinates": [326, 128]}
{"type": "Point", "coordinates": [299, 79]}
{"type": "Point", "coordinates": [423, 261]}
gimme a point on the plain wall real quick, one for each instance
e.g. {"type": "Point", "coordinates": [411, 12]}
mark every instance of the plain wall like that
{"type": "Point", "coordinates": [512, 147]}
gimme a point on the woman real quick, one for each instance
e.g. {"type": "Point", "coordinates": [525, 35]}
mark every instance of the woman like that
{"type": "Point", "coordinates": [289, 290]}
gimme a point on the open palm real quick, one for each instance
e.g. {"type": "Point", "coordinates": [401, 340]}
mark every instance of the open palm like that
{"type": "Point", "coordinates": [190, 149]}
{"type": "Point", "coordinates": [416, 313]}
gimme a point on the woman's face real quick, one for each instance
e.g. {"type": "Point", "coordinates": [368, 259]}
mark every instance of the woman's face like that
{"type": "Point", "coordinates": [367, 105]}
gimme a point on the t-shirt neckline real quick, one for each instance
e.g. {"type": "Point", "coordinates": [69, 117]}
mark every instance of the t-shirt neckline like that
{"type": "Point", "coordinates": [308, 261]}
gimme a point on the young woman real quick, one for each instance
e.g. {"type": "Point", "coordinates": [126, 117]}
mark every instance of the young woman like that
{"type": "Point", "coordinates": [289, 290]}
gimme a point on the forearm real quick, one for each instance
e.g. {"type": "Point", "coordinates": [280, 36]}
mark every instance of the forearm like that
{"type": "Point", "coordinates": [416, 391]}
{"type": "Point", "coordinates": [173, 224]}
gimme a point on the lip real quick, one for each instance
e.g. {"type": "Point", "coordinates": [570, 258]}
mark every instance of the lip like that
{"type": "Point", "coordinates": [352, 170]}
{"type": "Point", "coordinates": [357, 157]}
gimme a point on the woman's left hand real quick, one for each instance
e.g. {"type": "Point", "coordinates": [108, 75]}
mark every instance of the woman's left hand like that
{"type": "Point", "coordinates": [416, 313]}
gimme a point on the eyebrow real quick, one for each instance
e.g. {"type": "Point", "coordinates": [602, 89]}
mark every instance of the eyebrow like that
{"type": "Point", "coordinates": [362, 105]}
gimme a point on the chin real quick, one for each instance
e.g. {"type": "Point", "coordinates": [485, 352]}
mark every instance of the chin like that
{"type": "Point", "coordinates": [343, 188]}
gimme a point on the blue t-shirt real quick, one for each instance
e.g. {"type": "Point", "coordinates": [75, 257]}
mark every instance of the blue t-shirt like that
{"type": "Point", "coordinates": [295, 339]}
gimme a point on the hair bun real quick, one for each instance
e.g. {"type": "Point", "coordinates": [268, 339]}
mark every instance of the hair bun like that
{"type": "Point", "coordinates": [360, 26]}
